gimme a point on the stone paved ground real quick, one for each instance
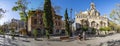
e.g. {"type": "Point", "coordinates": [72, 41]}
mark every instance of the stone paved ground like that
{"type": "Point", "coordinates": [94, 41]}
{"type": "Point", "coordinates": [112, 40]}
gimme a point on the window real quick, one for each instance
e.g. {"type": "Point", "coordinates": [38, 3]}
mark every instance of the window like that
{"type": "Point", "coordinates": [40, 22]}
{"type": "Point", "coordinates": [57, 31]}
{"type": "Point", "coordinates": [59, 23]}
{"type": "Point", "coordinates": [35, 21]}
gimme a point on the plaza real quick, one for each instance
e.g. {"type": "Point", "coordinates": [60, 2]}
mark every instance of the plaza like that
{"type": "Point", "coordinates": [59, 23]}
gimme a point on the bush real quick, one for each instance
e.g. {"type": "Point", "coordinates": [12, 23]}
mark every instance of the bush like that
{"type": "Point", "coordinates": [35, 33]}
{"type": "Point", "coordinates": [1, 32]}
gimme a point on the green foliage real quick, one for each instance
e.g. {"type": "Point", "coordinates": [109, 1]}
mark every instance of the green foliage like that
{"type": "Point", "coordinates": [85, 28]}
{"type": "Point", "coordinates": [2, 12]}
{"type": "Point", "coordinates": [47, 17]}
{"type": "Point", "coordinates": [108, 28]}
{"type": "Point", "coordinates": [35, 33]}
{"type": "Point", "coordinates": [117, 28]}
{"type": "Point", "coordinates": [22, 16]}
{"type": "Point", "coordinates": [115, 14]}
{"type": "Point", "coordinates": [21, 6]}
{"type": "Point", "coordinates": [67, 28]}
{"type": "Point", "coordinates": [105, 29]}
{"type": "Point", "coordinates": [1, 32]}
{"type": "Point", "coordinates": [93, 29]}
{"type": "Point", "coordinates": [101, 29]}
{"type": "Point", "coordinates": [12, 33]}
{"type": "Point", "coordinates": [15, 8]}
{"type": "Point", "coordinates": [112, 25]}
{"type": "Point", "coordinates": [30, 13]}
{"type": "Point", "coordinates": [47, 34]}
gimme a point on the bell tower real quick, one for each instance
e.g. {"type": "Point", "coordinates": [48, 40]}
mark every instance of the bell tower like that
{"type": "Point", "coordinates": [93, 10]}
{"type": "Point", "coordinates": [92, 6]}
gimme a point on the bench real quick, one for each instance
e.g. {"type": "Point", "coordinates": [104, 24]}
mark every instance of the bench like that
{"type": "Point", "coordinates": [64, 38]}
{"type": "Point", "coordinates": [79, 38]}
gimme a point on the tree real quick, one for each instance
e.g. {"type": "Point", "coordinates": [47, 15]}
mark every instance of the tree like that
{"type": "Point", "coordinates": [13, 26]}
{"type": "Point", "coordinates": [115, 14]}
{"type": "Point", "coordinates": [117, 28]}
{"type": "Point", "coordinates": [13, 33]}
{"type": "Point", "coordinates": [102, 29]}
{"type": "Point", "coordinates": [2, 12]}
{"type": "Point", "coordinates": [84, 29]}
{"type": "Point", "coordinates": [67, 28]}
{"type": "Point", "coordinates": [112, 25]}
{"type": "Point", "coordinates": [105, 29]}
{"type": "Point", "coordinates": [21, 6]}
{"type": "Point", "coordinates": [35, 33]}
{"type": "Point", "coordinates": [47, 17]}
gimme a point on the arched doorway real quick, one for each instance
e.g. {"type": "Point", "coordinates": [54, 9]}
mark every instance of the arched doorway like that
{"type": "Point", "coordinates": [39, 31]}
{"type": "Point", "coordinates": [57, 31]}
{"type": "Point", "coordinates": [84, 22]}
{"type": "Point", "coordinates": [101, 23]}
{"type": "Point", "coordinates": [93, 24]}
{"type": "Point", "coordinates": [62, 32]}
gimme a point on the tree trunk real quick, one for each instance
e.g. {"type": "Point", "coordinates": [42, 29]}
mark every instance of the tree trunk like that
{"type": "Point", "coordinates": [98, 32]}
{"type": "Point", "coordinates": [47, 34]}
{"type": "Point", "coordinates": [84, 36]}
{"type": "Point", "coordinates": [26, 22]}
{"type": "Point", "coordinates": [105, 32]}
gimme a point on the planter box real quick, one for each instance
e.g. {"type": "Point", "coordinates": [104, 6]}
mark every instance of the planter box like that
{"type": "Point", "coordinates": [64, 38]}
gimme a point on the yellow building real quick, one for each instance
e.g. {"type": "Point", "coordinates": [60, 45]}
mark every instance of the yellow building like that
{"type": "Point", "coordinates": [91, 18]}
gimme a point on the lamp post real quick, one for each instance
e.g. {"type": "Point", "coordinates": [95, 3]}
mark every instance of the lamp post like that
{"type": "Point", "coordinates": [71, 21]}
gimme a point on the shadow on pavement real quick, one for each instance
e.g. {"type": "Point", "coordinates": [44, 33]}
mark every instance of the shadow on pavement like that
{"type": "Point", "coordinates": [54, 40]}
{"type": "Point", "coordinates": [25, 40]}
{"type": "Point", "coordinates": [38, 40]}
{"type": "Point", "coordinates": [111, 43]}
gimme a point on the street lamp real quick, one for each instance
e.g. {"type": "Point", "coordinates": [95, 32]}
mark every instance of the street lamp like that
{"type": "Point", "coordinates": [71, 21]}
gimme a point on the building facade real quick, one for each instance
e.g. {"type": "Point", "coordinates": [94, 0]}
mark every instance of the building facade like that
{"type": "Point", "coordinates": [16, 24]}
{"type": "Point", "coordinates": [91, 18]}
{"type": "Point", "coordinates": [36, 22]}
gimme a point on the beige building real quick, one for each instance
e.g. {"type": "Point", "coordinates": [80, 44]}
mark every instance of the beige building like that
{"type": "Point", "coordinates": [91, 18]}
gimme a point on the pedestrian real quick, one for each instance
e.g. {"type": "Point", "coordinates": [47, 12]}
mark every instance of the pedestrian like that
{"type": "Point", "coordinates": [80, 37]}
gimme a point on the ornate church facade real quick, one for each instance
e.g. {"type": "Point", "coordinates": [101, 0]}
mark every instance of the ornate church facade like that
{"type": "Point", "coordinates": [91, 18]}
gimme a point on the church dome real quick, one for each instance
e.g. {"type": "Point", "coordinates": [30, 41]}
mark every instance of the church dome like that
{"type": "Point", "coordinates": [85, 12]}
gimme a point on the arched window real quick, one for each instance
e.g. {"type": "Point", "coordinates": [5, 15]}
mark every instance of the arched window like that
{"type": "Point", "coordinates": [101, 23]}
{"type": "Point", "coordinates": [93, 24]}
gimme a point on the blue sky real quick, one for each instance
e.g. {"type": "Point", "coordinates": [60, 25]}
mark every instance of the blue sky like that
{"type": "Point", "coordinates": [103, 6]}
